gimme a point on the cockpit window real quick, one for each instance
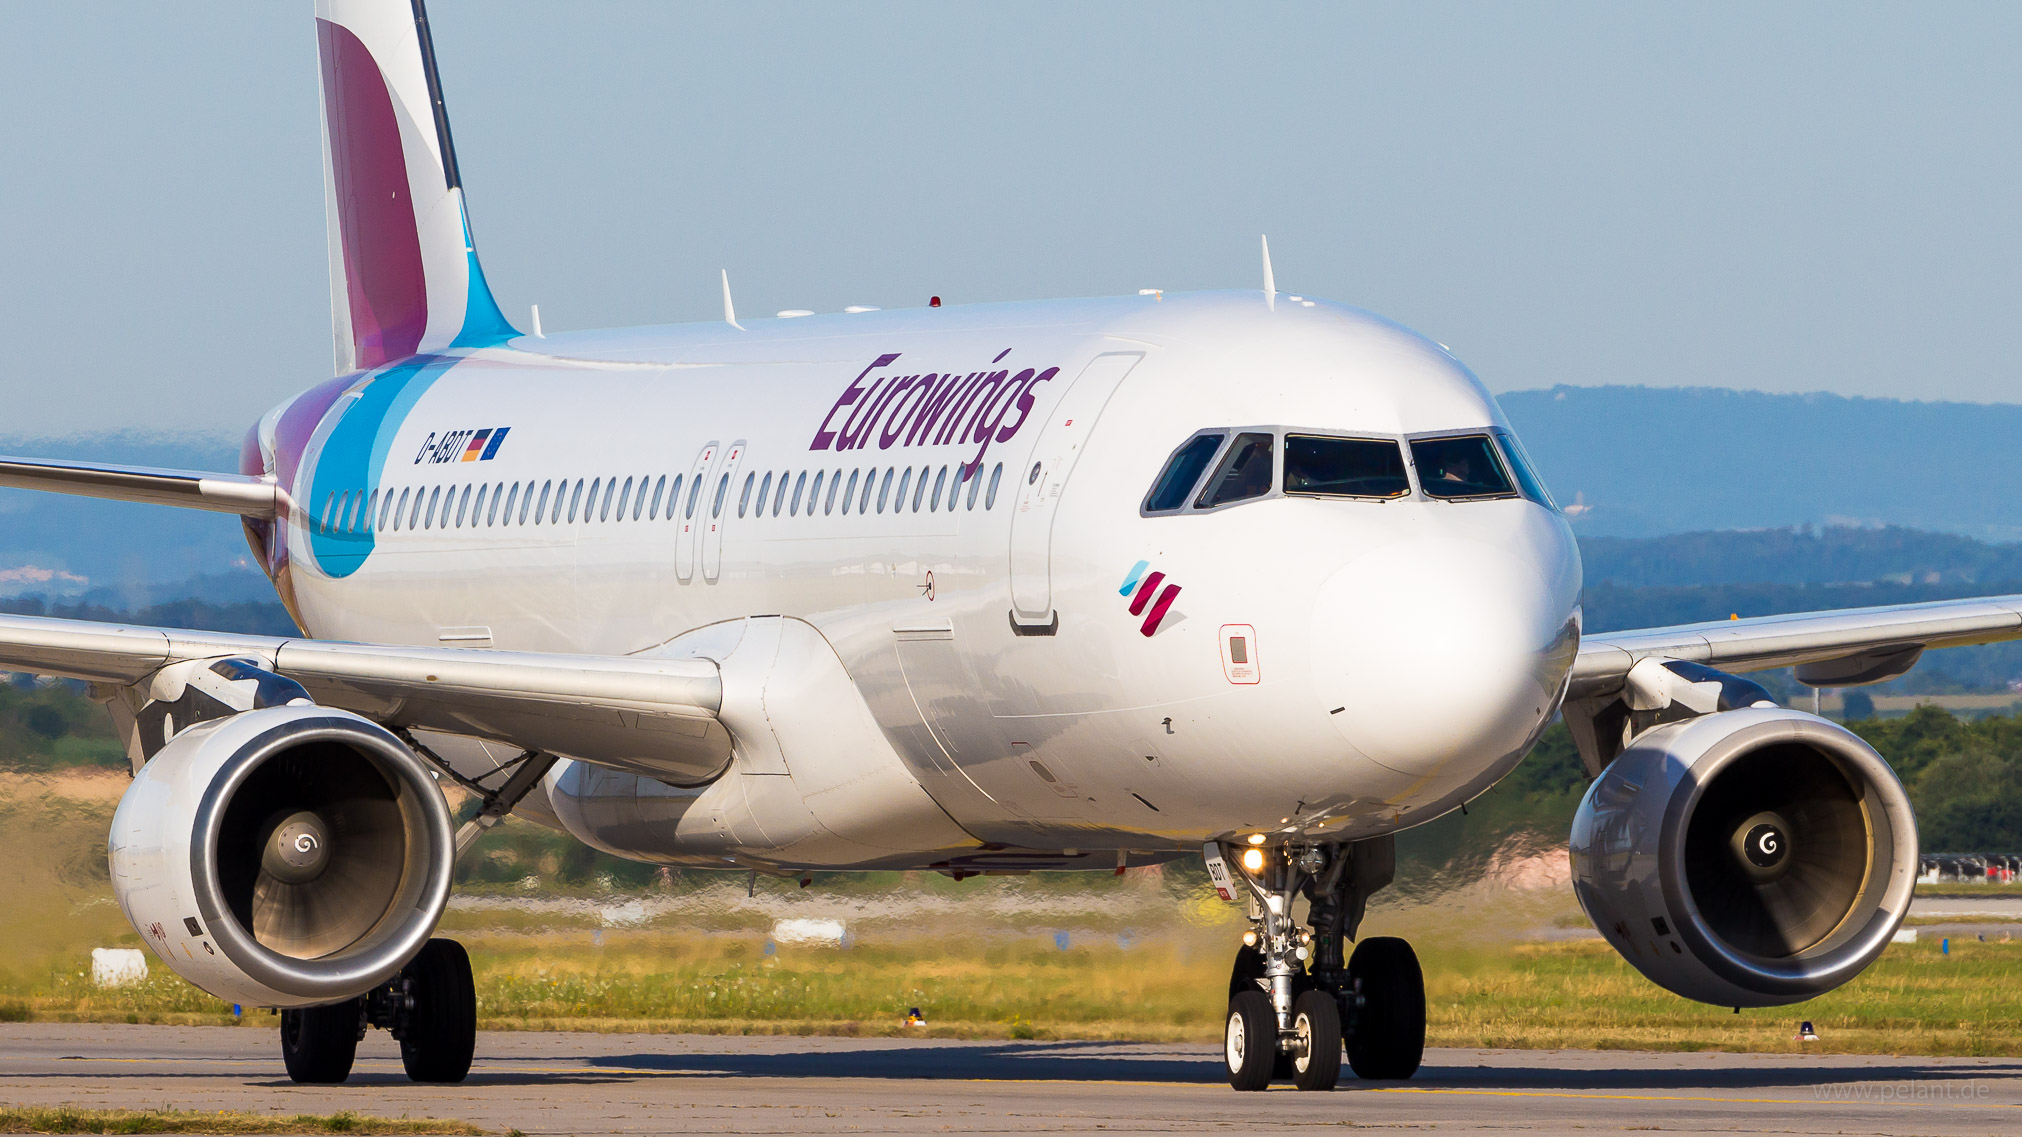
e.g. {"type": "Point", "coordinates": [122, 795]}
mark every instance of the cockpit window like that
{"type": "Point", "coordinates": [1466, 466]}
{"type": "Point", "coordinates": [1245, 472]}
{"type": "Point", "coordinates": [1344, 467]}
{"type": "Point", "coordinates": [1182, 473]}
{"type": "Point", "coordinates": [1520, 464]}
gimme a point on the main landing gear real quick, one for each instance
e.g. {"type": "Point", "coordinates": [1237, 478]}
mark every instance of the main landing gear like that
{"type": "Point", "coordinates": [1289, 1020]}
{"type": "Point", "coordinates": [431, 1007]}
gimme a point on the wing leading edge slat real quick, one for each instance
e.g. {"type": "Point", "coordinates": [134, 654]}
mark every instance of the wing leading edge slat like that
{"type": "Point", "coordinates": [652, 716]}
{"type": "Point", "coordinates": [1764, 642]}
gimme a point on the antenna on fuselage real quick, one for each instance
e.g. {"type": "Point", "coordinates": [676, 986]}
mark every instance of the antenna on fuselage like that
{"type": "Point", "coordinates": [1270, 282]}
{"type": "Point", "coordinates": [729, 309]}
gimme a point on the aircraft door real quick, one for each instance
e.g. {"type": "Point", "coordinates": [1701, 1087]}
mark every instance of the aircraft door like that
{"type": "Point", "coordinates": [692, 502]}
{"type": "Point", "coordinates": [718, 498]}
{"type": "Point", "coordinates": [1040, 484]}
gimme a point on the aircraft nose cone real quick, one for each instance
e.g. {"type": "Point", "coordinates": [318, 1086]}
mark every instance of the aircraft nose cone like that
{"type": "Point", "coordinates": [1437, 652]}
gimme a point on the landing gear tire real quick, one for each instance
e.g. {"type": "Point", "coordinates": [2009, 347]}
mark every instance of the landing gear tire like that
{"type": "Point", "coordinates": [1250, 1041]}
{"type": "Point", "coordinates": [1388, 1038]}
{"type": "Point", "coordinates": [1316, 1065]}
{"type": "Point", "coordinates": [318, 1044]}
{"type": "Point", "coordinates": [440, 1034]}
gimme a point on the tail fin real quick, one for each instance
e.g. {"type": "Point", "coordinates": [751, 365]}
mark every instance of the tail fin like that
{"type": "Point", "coordinates": [404, 275]}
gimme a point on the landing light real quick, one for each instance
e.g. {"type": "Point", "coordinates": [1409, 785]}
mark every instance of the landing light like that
{"type": "Point", "coordinates": [1256, 838]}
{"type": "Point", "coordinates": [1253, 860]}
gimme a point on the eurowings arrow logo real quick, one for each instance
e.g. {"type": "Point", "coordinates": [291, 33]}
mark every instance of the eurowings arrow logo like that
{"type": "Point", "coordinates": [1147, 598]}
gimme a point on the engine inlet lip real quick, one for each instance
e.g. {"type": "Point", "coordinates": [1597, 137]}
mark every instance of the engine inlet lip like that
{"type": "Point", "coordinates": [345, 975]}
{"type": "Point", "coordinates": [1885, 902]}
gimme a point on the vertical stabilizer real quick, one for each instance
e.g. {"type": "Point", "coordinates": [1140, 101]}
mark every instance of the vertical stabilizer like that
{"type": "Point", "coordinates": [404, 274]}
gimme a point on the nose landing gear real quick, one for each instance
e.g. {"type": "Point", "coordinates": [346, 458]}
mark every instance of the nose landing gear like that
{"type": "Point", "coordinates": [1287, 1020]}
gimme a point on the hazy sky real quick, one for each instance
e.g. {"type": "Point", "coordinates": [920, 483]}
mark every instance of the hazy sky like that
{"type": "Point", "coordinates": [1789, 197]}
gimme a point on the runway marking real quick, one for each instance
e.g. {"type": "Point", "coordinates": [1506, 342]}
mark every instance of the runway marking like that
{"type": "Point", "coordinates": [1670, 1097]}
{"type": "Point", "coordinates": [388, 1064]}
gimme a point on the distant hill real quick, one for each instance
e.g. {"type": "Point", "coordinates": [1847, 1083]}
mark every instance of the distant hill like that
{"type": "Point", "coordinates": [1800, 555]}
{"type": "Point", "coordinates": [1642, 461]}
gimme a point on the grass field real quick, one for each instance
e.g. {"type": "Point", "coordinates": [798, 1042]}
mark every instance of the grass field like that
{"type": "Point", "coordinates": [1915, 1000]}
{"type": "Point", "coordinates": [1145, 956]}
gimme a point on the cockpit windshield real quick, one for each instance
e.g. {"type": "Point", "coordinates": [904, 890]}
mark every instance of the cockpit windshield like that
{"type": "Point", "coordinates": [1344, 467]}
{"type": "Point", "coordinates": [1245, 471]}
{"type": "Point", "coordinates": [1466, 466]}
{"type": "Point", "coordinates": [1182, 472]}
{"type": "Point", "coordinates": [1520, 464]}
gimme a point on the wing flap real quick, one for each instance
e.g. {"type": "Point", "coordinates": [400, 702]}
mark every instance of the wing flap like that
{"type": "Point", "coordinates": [188, 489]}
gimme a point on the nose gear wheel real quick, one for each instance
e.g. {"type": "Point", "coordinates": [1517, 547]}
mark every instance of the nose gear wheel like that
{"type": "Point", "coordinates": [1291, 1020]}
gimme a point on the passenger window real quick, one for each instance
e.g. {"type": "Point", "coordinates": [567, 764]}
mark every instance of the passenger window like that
{"type": "Point", "coordinates": [885, 488]}
{"type": "Point", "coordinates": [1182, 472]}
{"type": "Point", "coordinates": [779, 499]}
{"type": "Point", "coordinates": [975, 484]}
{"type": "Point", "coordinates": [1245, 472]}
{"type": "Point", "coordinates": [371, 510]}
{"type": "Point", "coordinates": [996, 475]}
{"type": "Point", "coordinates": [940, 479]}
{"type": "Point", "coordinates": [462, 506]}
{"type": "Point", "coordinates": [434, 501]}
{"type": "Point", "coordinates": [659, 487]}
{"type": "Point", "coordinates": [590, 510]}
{"type": "Point", "coordinates": [402, 509]}
{"type": "Point", "coordinates": [722, 491]}
{"type": "Point", "coordinates": [541, 510]}
{"type": "Point", "coordinates": [575, 501]}
{"type": "Point", "coordinates": [834, 484]}
{"type": "Point", "coordinates": [1459, 467]}
{"type": "Point", "coordinates": [744, 495]}
{"type": "Point", "coordinates": [905, 479]}
{"type": "Point", "coordinates": [1526, 474]}
{"type": "Point", "coordinates": [674, 497]}
{"type": "Point", "coordinates": [850, 493]}
{"type": "Point", "coordinates": [625, 498]}
{"type": "Point", "coordinates": [477, 506]}
{"type": "Point", "coordinates": [799, 484]}
{"type": "Point", "coordinates": [920, 490]}
{"type": "Point", "coordinates": [512, 499]}
{"type": "Point", "coordinates": [694, 495]}
{"type": "Point", "coordinates": [1344, 467]}
{"type": "Point", "coordinates": [814, 494]}
{"type": "Point", "coordinates": [870, 482]}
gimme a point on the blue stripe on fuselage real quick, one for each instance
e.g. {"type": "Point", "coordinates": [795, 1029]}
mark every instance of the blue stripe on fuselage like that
{"type": "Point", "coordinates": [354, 453]}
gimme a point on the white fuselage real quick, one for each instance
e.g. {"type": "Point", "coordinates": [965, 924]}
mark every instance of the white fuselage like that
{"type": "Point", "coordinates": [1397, 655]}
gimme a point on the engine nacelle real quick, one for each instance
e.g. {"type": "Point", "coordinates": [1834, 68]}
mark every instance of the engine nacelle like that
{"type": "Point", "coordinates": [283, 857]}
{"type": "Point", "coordinates": [1747, 858]}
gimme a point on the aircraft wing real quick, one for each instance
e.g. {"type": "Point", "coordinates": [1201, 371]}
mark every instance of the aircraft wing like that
{"type": "Point", "coordinates": [219, 493]}
{"type": "Point", "coordinates": [1836, 648]}
{"type": "Point", "coordinates": [653, 716]}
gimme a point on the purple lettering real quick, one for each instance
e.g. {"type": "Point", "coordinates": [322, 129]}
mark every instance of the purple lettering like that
{"type": "Point", "coordinates": [824, 435]}
{"type": "Point", "coordinates": [1017, 393]}
{"type": "Point", "coordinates": [857, 424]}
{"type": "Point", "coordinates": [896, 399]}
{"type": "Point", "coordinates": [929, 410]}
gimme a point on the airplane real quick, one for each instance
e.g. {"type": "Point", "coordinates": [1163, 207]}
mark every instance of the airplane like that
{"type": "Point", "coordinates": [1063, 585]}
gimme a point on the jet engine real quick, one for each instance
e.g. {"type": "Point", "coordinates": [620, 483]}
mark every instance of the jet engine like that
{"type": "Point", "coordinates": [284, 856]}
{"type": "Point", "coordinates": [1746, 858]}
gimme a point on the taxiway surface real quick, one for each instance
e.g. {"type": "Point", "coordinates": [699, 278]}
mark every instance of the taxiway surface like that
{"type": "Point", "coordinates": [619, 1083]}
